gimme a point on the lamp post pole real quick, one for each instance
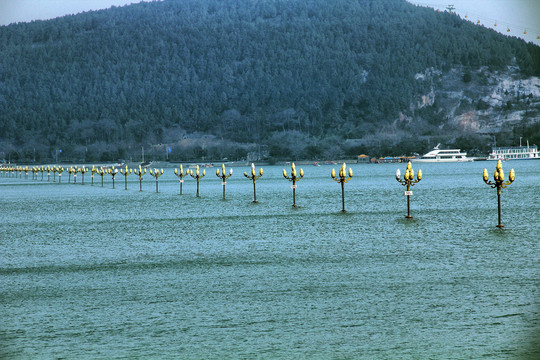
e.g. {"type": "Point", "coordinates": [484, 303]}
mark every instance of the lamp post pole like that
{"type": "Point", "coordinates": [140, 173]}
{"type": "Point", "coordinates": [408, 181]}
{"type": "Point", "coordinates": [94, 171]}
{"type": "Point", "coordinates": [224, 176]}
{"type": "Point", "coordinates": [342, 179]}
{"type": "Point", "coordinates": [125, 172]}
{"type": "Point", "coordinates": [254, 177]}
{"type": "Point", "coordinates": [83, 171]}
{"type": "Point", "coordinates": [294, 178]}
{"type": "Point", "coordinates": [101, 172]}
{"type": "Point", "coordinates": [499, 184]}
{"type": "Point", "coordinates": [113, 171]}
{"type": "Point", "coordinates": [197, 176]}
{"type": "Point", "coordinates": [156, 173]}
{"type": "Point", "coordinates": [180, 174]}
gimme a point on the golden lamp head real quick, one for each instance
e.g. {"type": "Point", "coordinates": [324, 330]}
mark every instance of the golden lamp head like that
{"type": "Point", "coordinates": [284, 173]}
{"type": "Point", "coordinates": [333, 173]}
{"type": "Point", "coordinates": [419, 175]}
{"type": "Point", "coordinates": [203, 172]}
{"type": "Point", "coordinates": [499, 165]}
{"type": "Point", "coordinates": [260, 172]}
{"type": "Point", "coordinates": [398, 174]}
{"type": "Point", "coordinates": [301, 172]}
{"type": "Point", "coordinates": [512, 175]}
{"type": "Point", "coordinates": [245, 174]}
{"type": "Point", "coordinates": [350, 172]}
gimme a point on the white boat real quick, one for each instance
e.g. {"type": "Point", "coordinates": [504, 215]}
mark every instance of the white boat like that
{"type": "Point", "coordinates": [438, 155]}
{"type": "Point", "coordinates": [514, 153]}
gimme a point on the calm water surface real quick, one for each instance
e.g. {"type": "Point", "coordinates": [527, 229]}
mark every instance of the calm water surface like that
{"type": "Point", "coordinates": [96, 272]}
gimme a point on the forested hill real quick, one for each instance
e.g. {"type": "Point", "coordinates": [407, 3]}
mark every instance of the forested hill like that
{"type": "Point", "coordinates": [297, 77]}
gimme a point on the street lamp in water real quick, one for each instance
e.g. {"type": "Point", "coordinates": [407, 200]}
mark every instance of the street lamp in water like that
{"type": "Point", "coordinates": [499, 183]}
{"type": "Point", "coordinates": [408, 181]}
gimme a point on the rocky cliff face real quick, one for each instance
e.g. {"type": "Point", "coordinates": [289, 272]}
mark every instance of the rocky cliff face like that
{"type": "Point", "coordinates": [480, 101]}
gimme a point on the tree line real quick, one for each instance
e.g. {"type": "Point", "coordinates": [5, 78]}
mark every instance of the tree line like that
{"type": "Point", "coordinates": [298, 77]}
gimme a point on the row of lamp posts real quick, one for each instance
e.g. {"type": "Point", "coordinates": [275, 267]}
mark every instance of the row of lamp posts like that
{"type": "Point", "coordinates": [342, 177]}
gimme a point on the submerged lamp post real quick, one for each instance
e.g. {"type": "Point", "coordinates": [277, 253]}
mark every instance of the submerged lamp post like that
{"type": "Point", "coordinates": [156, 173]}
{"type": "Point", "coordinates": [499, 183]}
{"type": "Point", "coordinates": [197, 176]}
{"type": "Point", "coordinates": [59, 170]}
{"type": "Point", "coordinates": [113, 171]}
{"type": "Point", "coordinates": [125, 172]}
{"type": "Point", "coordinates": [49, 173]}
{"type": "Point", "coordinates": [70, 171]}
{"type": "Point", "coordinates": [83, 171]}
{"type": "Point", "coordinates": [180, 174]}
{"type": "Point", "coordinates": [223, 176]}
{"type": "Point", "coordinates": [140, 173]}
{"type": "Point", "coordinates": [342, 179]}
{"type": "Point", "coordinates": [101, 172]}
{"type": "Point", "coordinates": [254, 177]}
{"type": "Point", "coordinates": [94, 172]}
{"type": "Point", "coordinates": [408, 181]}
{"type": "Point", "coordinates": [75, 171]}
{"type": "Point", "coordinates": [294, 178]}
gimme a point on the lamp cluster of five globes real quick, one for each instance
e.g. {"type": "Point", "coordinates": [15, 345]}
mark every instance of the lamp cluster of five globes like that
{"type": "Point", "coordinates": [344, 176]}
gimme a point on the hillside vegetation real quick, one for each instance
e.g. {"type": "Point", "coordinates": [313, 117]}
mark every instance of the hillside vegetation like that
{"type": "Point", "coordinates": [218, 79]}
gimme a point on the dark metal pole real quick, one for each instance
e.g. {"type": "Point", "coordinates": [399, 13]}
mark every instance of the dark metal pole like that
{"type": "Point", "coordinates": [408, 207]}
{"type": "Point", "coordinates": [343, 196]}
{"type": "Point", "coordinates": [294, 193]}
{"type": "Point", "coordinates": [254, 192]}
{"type": "Point", "coordinates": [197, 187]}
{"type": "Point", "coordinates": [499, 203]}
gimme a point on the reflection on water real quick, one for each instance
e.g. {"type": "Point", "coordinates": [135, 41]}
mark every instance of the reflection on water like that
{"type": "Point", "coordinates": [92, 272]}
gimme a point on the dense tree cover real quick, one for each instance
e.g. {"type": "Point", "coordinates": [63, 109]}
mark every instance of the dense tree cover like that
{"type": "Point", "coordinates": [295, 76]}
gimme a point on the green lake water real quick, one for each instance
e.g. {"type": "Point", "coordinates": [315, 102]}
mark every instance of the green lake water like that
{"type": "Point", "coordinates": [95, 272]}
